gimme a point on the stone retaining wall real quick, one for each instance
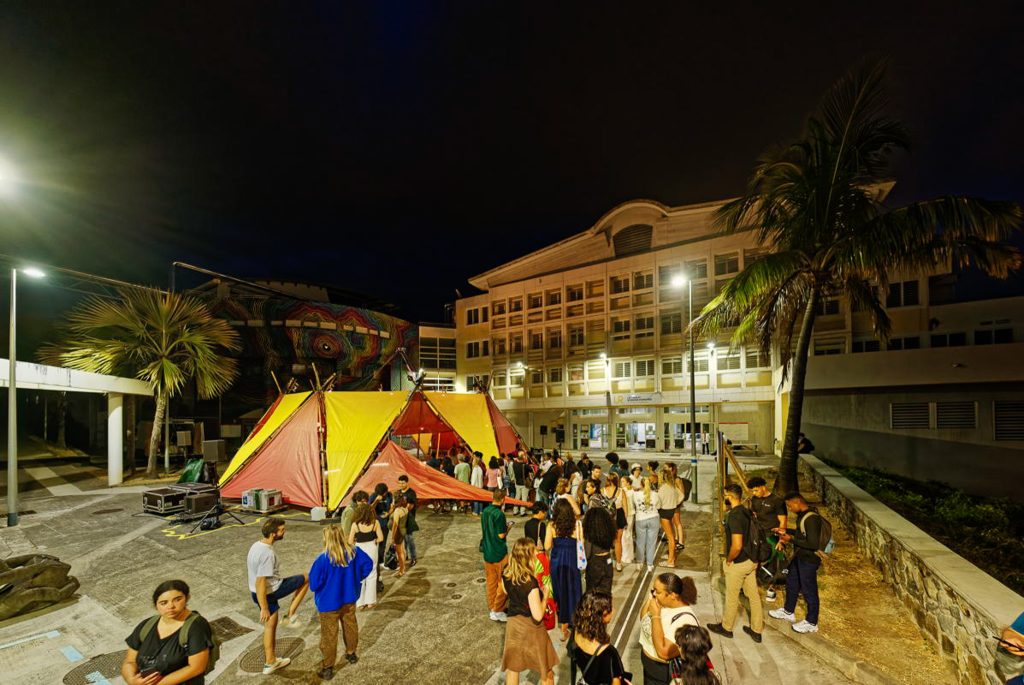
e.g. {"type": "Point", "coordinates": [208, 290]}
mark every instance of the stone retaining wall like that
{"type": "Point", "coordinates": [956, 604]}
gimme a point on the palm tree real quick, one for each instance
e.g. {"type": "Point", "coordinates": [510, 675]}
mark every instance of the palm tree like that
{"type": "Point", "coordinates": [164, 339]}
{"type": "Point", "coordinates": [817, 204]}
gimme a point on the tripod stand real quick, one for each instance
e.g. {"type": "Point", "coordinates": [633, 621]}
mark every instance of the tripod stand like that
{"type": "Point", "coordinates": [214, 513]}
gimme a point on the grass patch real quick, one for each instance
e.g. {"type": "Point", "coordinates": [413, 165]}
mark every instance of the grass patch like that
{"type": "Point", "coordinates": [987, 531]}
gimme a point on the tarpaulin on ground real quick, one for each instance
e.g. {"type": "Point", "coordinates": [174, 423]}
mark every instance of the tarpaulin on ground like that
{"type": "Point", "coordinates": [283, 407]}
{"type": "Point", "coordinates": [429, 483]}
{"type": "Point", "coordinates": [357, 422]}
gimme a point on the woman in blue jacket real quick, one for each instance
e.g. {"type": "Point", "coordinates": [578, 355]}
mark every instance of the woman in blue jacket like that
{"type": "Point", "coordinates": [336, 578]}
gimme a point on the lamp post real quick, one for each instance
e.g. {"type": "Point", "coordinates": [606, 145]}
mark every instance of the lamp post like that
{"type": "Point", "coordinates": [12, 400]}
{"type": "Point", "coordinates": [678, 282]}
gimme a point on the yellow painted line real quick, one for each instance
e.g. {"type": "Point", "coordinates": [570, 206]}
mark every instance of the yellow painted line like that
{"type": "Point", "coordinates": [174, 532]}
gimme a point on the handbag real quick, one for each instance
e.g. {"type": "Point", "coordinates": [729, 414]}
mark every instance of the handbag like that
{"type": "Point", "coordinates": [581, 553]}
{"type": "Point", "coordinates": [391, 558]}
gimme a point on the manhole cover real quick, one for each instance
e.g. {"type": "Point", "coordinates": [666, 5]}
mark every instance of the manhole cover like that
{"type": "Point", "coordinates": [456, 596]}
{"type": "Point", "coordinates": [450, 584]}
{"type": "Point", "coordinates": [107, 665]}
{"type": "Point", "coordinates": [480, 581]}
{"type": "Point", "coordinates": [107, 511]}
{"type": "Point", "coordinates": [225, 628]}
{"type": "Point", "coordinates": [252, 661]}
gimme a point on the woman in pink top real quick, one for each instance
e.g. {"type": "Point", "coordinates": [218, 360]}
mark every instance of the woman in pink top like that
{"type": "Point", "coordinates": [493, 475]}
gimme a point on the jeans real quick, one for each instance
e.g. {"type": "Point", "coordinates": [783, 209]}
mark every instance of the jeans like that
{"type": "Point", "coordinates": [410, 546]}
{"type": "Point", "coordinates": [478, 508]}
{"type": "Point", "coordinates": [647, 539]}
{"type": "Point", "coordinates": [802, 579]}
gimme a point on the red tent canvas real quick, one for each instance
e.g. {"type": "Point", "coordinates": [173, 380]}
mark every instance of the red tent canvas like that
{"type": "Point", "coordinates": [429, 484]}
{"type": "Point", "coordinates": [504, 433]}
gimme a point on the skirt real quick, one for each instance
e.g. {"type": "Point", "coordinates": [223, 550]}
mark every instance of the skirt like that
{"type": "Point", "coordinates": [565, 578]}
{"type": "Point", "coordinates": [528, 647]}
{"type": "Point", "coordinates": [368, 593]}
{"type": "Point", "coordinates": [620, 518]}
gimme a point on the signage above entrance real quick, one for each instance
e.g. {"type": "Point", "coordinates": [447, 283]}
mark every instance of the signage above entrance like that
{"type": "Point", "coordinates": [639, 398]}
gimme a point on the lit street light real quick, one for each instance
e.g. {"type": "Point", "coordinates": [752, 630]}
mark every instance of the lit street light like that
{"type": "Point", "coordinates": [678, 282]}
{"type": "Point", "coordinates": [12, 400]}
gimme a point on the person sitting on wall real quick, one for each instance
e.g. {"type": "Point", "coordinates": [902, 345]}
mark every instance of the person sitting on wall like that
{"type": "Point", "coordinates": [1010, 653]}
{"type": "Point", "coordinates": [803, 445]}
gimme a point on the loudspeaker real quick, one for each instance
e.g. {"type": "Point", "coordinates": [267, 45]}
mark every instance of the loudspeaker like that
{"type": "Point", "coordinates": [201, 502]}
{"type": "Point", "coordinates": [559, 435]}
{"type": "Point", "coordinates": [543, 429]}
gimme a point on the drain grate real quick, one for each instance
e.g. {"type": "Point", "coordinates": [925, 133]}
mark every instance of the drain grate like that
{"type": "Point", "coordinates": [225, 628]}
{"type": "Point", "coordinates": [108, 666]}
{"type": "Point", "coordinates": [107, 511]}
{"type": "Point", "coordinates": [450, 585]}
{"type": "Point", "coordinates": [456, 597]}
{"type": "Point", "coordinates": [252, 661]}
{"type": "Point", "coordinates": [480, 581]}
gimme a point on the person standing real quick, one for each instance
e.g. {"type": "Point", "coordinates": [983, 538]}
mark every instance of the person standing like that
{"type": "Point", "coordinates": [585, 466]}
{"type": "Point", "coordinates": [492, 478]}
{"type": "Point", "coordinates": [562, 492]}
{"type": "Point", "coordinates": [366, 534]}
{"type": "Point", "coordinates": [565, 574]}
{"type": "Point", "coordinates": [614, 467]}
{"type": "Point", "coordinates": [463, 470]}
{"type": "Point", "coordinates": [477, 481]}
{"type": "Point", "coordinates": [536, 527]}
{"type": "Point", "coordinates": [521, 474]}
{"type": "Point", "coordinates": [670, 497]}
{"type": "Point", "coordinates": [802, 578]}
{"type": "Point", "coordinates": [669, 609]}
{"type": "Point", "coordinates": [694, 644]}
{"type": "Point", "coordinates": [740, 570]}
{"type": "Point", "coordinates": [336, 578]}
{"type": "Point", "coordinates": [598, 542]}
{"type": "Point", "coordinates": [548, 481]}
{"type": "Point", "coordinates": [382, 502]}
{"type": "Point", "coordinates": [175, 644]}
{"type": "Point", "coordinates": [527, 644]}
{"type": "Point", "coordinates": [645, 504]}
{"type": "Point", "coordinates": [411, 504]}
{"type": "Point", "coordinates": [350, 511]}
{"type": "Point", "coordinates": [267, 587]}
{"type": "Point", "coordinates": [397, 525]}
{"type": "Point", "coordinates": [494, 529]}
{"type": "Point", "coordinates": [597, 659]}
{"type": "Point", "coordinates": [769, 511]}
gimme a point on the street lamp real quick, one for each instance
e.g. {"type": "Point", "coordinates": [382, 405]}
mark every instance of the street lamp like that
{"type": "Point", "coordinates": [12, 400]}
{"type": "Point", "coordinates": [678, 282]}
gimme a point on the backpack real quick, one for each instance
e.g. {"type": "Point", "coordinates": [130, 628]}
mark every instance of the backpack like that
{"type": "Point", "coordinates": [755, 544]}
{"type": "Point", "coordinates": [150, 624]}
{"type": "Point", "coordinates": [825, 541]}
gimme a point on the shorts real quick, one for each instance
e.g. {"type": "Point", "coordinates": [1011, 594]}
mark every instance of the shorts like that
{"type": "Point", "coordinates": [666, 514]}
{"type": "Point", "coordinates": [287, 587]}
{"type": "Point", "coordinates": [620, 519]}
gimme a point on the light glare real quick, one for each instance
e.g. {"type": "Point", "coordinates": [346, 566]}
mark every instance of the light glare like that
{"type": "Point", "coordinates": [33, 272]}
{"type": "Point", "coordinates": [678, 281]}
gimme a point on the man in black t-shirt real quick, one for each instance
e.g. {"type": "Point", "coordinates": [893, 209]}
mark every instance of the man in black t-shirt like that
{"type": "Point", "coordinates": [802, 578]}
{"type": "Point", "coordinates": [740, 570]}
{"type": "Point", "coordinates": [548, 482]}
{"type": "Point", "coordinates": [521, 474]}
{"type": "Point", "coordinates": [536, 527]}
{"type": "Point", "coordinates": [411, 500]}
{"type": "Point", "coordinates": [769, 511]}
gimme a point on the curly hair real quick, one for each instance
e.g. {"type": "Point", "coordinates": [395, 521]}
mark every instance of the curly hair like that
{"type": "Point", "coordinates": [599, 527]}
{"type": "Point", "coordinates": [694, 643]}
{"type": "Point", "coordinates": [588, 619]}
{"type": "Point", "coordinates": [564, 519]}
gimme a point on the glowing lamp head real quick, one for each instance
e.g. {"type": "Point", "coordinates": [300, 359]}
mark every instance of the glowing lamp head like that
{"type": "Point", "coordinates": [711, 345]}
{"type": "Point", "coordinates": [678, 281]}
{"type": "Point", "coordinates": [603, 355]}
{"type": "Point", "coordinates": [33, 272]}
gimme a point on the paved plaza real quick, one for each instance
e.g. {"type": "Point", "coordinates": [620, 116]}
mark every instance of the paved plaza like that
{"type": "Point", "coordinates": [430, 627]}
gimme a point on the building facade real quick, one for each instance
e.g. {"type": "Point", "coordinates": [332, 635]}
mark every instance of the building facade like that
{"type": "Point", "coordinates": [582, 344]}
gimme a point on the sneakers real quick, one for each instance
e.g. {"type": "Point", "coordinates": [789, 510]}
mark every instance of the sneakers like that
{"type": "Point", "coordinates": [782, 615]}
{"type": "Point", "coordinates": [718, 628]}
{"type": "Point", "coordinates": [280, 663]}
{"type": "Point", "coordinates": [805, 627]}
{"type": "Point", "coordinates": [352, 658]}
{"type": "Point", "coordinates": [618, 566]}
{"type": "Point", "coordinates": [650, 568]}
{"type": "Point", "coordinates": [769, 594]}
{"type": "Point", "coordinates": [499, 616]}
{"type": "Point", "coordinates": [756, 637]}
{"type": "Point", "coordinates": [325, 673]}
{"type": "Point", "coordinates": [292, 621]}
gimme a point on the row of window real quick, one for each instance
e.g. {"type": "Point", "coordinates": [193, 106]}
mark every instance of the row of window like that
{"type": "Point", "coordinates": [1007, 417]}
{"type": "Point", "coordinates": [437, 353]}
{"type": "Point", "coordinates": [1001, 335]}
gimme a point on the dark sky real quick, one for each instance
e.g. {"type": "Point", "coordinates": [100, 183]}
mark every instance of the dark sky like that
{"type": "Point", "coordinates": [400, 148]}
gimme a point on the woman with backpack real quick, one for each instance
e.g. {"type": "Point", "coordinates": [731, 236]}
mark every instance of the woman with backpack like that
{"type": "Point", "coordinates": [591, 651]}
{"type": "Point", "coordinates": [527, 644]}
{"type": "Point", "coordinates": [172, 647]}
{"type": "Point", "coordinates": [668, 610]}
{"type": "Point", "coordinates": [695, 668]}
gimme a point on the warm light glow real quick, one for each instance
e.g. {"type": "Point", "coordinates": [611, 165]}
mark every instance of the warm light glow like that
{"type": "Point", "coordinates": [33, 272]}
{"type": "Point", "coordinates": [519, 365]}
{"type": "Point", "coordinates": [603, 355]}
{"type": "Point", "coordinates": [711, 345]}
{"type": "Point", "coordinates": [678, 281]}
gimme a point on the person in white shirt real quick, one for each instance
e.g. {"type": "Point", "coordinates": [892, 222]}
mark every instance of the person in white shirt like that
{"type": "Point", "coordinates": [645, 506]}
{"type": "Point", "coordinates": [670, 608]}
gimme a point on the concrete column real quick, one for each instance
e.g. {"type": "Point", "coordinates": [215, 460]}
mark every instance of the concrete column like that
{"type": "Point", "coordinates": [115, 438]}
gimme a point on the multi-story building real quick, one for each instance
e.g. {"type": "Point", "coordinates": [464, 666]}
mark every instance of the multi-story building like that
{"type": "Point", "coordinates": [584, 339]}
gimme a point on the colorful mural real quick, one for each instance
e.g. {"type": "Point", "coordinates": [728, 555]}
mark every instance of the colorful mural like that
{"type": "Point", "coordinates": [289, 337]}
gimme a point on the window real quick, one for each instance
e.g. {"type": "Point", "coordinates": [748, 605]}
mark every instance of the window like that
{"type": "Point", "coordinates": [720, 284]}
{"type": "Point", "coordinates": [498, 345]}
{"type": "Point", "coordinates": [827, 347]}
{"type": "Point", "coordinates": [554, 297]}
{"type": "Point", "coordinates": [959, 414]}
{"type": "Point", "coordinates": [438, 384]}
{"type": "Point", "coordinates": [536, 341]}
{"type": "Point", "coordinates": [534, 301]}
{"type": "Point", "coordinates": [536, 377]}
{"type": "Point", "coordinates": [911, 342]}
{"type": "Point", "coordinates": [727, 263]}
{"type": "Point", "coordinates": [633, 240]}
{"type": "Point", "coordinates": [619, 284]}
{"type": "Point", "coordinates": [472, 316]}
{"type": "Point", "coordinates": [643, 279]}
{"type": "Point", "coordinates": [517, 378]}
{"type": "Point", "coordinates": [499, 379]}
{"type": "Point", "coordinates": [866, 345]}
{"type": "Point", "coordinates": [697, 269]}
{"type": "Point", "coordinates": [671, 323]}
{"type": "Point", "coordinates": [644, 326]}
{"type": "Point", "coordinates": [474, 382]}
{"type": "Point", "coordinates": [1009, 419]}
{"type": "Point", "coordinates": [620, 329]}
{"type": "Point", "coordinates": [671, 367]}
{"type": "Point", "coordinates": [576, 336]}
{"type": "Point", "coordinates": [574, 293]}
{"type": "Point", "coordinates": [948, 339]}
{"type": "Point", "coordinates": [555, 375]}
{"type": "Point", "coordinates": [753, 255]}
{"type": "Point", "coordinates": [437, 353]}
{"type": "Point", "coordinates": [908, 415]}
{"type": "Point", "coordinates": [729, 361]}
{"type": "Point", "coordinates": [554, 339]}
{"type": "Point", "coordinates": [903, 294]}
{"type": "Point", "coordinates": [575, 373]}
{"type": "Point", "coordinates": [477, 348]}
{"type": "Point", "coordinates": [827, 306]}
{"type": "Point", "coordinates": [700, 363]}
{"type": "Point", "coordinates": [644, 368]}
{"type": "Point", "coordinates": [941, 289]}
{"type": "Point", "coordinates": [622, 369]}
{"type": "Point", "coordinates": [756, 360]}
{"type": "Point", "coordinates": [498, 307]}
{"type": "Point", "coordinates": [515, 304]}
{"type": "Point", "coordinates": [667, 273]}
{"type": "Point", "coordinates": [515, 343]}
{"type": "Point", "coordinates": [994, 332]}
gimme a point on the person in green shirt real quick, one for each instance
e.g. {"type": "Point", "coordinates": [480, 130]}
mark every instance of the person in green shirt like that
{"type": "Point", "coordinates": [495, 550]}
{"type": "Point", "coordinates": [348, 515]}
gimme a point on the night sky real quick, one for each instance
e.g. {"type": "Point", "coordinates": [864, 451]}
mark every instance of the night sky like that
{"type": "Point", "coordinates": [400, 148]}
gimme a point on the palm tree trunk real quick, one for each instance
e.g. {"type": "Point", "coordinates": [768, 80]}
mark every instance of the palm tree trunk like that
{"type": "Point", "coordinates": [788, 481]}
{"type": "Point", "coordinates": [62, 419]}
{"type": "Point", "coordinates": [154, 435]}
